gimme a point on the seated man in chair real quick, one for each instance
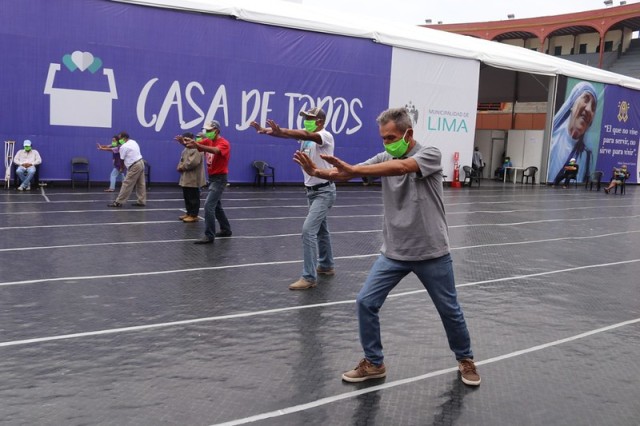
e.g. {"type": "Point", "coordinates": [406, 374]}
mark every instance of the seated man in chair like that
{"type": "Point", "coordinates": [619, 176]}
{"type": "Point", "coordinates": [570, 171]}
{"type": "Point", "coordinates": [26, 159]}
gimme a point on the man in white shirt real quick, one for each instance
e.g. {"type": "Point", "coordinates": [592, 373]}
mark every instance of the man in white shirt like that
{"type": "Point", "coordinates": [321, 194]}
{"type": "Point", "coordinates": [26, 159]}
{"type": "Point", "coordinates": [132, 158]}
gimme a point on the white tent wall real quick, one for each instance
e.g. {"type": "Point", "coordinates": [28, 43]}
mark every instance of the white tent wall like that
{"type": "Point", "coordinates": [441, 95]}
{"type": "Point", "coordinates": [524, 148]}
{"type": "Point", "coordinates": [508, 73]}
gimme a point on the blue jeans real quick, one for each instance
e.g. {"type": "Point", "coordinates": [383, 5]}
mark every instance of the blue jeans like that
{"type": "Point", "coordinates": [115, 174]}
{"type": "Point", "coordinates": [25, 175]}
{"type": "Point", "coordinates": [316, 240]}
{"type": "Point", "coordinates": [437, 277]}
{"type": "Point", "coordinates": [213, 207]}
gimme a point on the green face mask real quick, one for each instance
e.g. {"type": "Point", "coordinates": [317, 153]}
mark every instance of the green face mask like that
{"type": "Point", "coordinates": [310, 125]}
{"type": "Point", "coordinates": [121, 141]}
{"type": "Point", "coordinates": [198, 139]}
{"type": "Point", "coordinates": [398, 148]}
{"type": "Point", "coordinates": [27, 148]}
{"type": "Point", "coordinates": [211, 135]}
{"type": "Point", "coordinates": [114, 143]}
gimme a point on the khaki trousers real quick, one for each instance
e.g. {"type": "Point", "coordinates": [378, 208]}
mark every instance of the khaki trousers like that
{"type": "Point", "coordinates": [134, 178]}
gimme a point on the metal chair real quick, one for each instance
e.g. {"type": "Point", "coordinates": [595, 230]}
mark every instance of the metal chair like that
{"type": "Point", "coordinates": [594, 177]}
{"type": "Point", "coordinates": [262, 174]}
{"type": "Point", "coordinates": [79, 165]}
{"type": "Point", "coordinates": [529, 173]}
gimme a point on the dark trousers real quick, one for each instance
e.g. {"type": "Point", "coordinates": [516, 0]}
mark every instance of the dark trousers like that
{"type": "Point", "coordinates": [567, 176]}
{"type": "Point", "coordinates": [191, 200]}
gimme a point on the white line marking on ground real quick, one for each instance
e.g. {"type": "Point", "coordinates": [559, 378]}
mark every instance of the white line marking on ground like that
{"type": "Point", "coordinates": [290, 308]}
{"type": "Point", "coordinates": [7, 228]}
{"type": "Point", "coordinates": [396, 383]}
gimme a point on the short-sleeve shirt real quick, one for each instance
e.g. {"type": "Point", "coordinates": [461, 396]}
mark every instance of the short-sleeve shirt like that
{"type": "Point", "coordinates": [313, 150]}
{"type": "Point", "coordinates": [218, 164]}
{"type": "Point", "coordinates": [414, 224]}
{"type": "Point", "coordinates": [130, 152]}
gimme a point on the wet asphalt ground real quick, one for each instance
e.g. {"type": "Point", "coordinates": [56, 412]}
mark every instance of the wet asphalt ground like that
{"type": "Point", "coordinates": [113, 316]}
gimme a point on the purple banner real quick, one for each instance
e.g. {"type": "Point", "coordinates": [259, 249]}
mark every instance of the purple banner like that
{"type": "Point", "coordinates": [89, 69]}
{"type": "Point", "coordinates": [598, 125]}
{"type": "Point", "coordinates": [620, 132]}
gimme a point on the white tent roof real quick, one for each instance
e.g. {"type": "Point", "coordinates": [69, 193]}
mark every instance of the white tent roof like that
{"type": "Point", "coordinates": [292, 15]}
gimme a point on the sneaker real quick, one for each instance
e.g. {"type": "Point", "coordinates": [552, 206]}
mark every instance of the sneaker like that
{"type": "Point", "coordinates": [28, 188]}
{"type": "Point", "coordinates": [223, 234]}
{"type": "Point", "coordinates": [20, 188]}
{"type": "Point", "coordinates": [365, 371]}
{"type": "Point", "coordinates": [302, 284]}
{"type": "Point", "coordinates": [468, 372]}
{"type": "Point", "coordinates": [109, 190]}
{"type": "Point", "coordinates": [190, 219]}
{"type": "Point", "coordinates": [325, 271]}
{"type": "Point", "coordinates": [114, 204]}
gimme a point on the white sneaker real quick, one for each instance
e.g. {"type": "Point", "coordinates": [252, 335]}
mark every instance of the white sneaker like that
{"type": "Point", "coordinates": [29, 188]}
{"type": "Point", "coordinates": [20, 188]}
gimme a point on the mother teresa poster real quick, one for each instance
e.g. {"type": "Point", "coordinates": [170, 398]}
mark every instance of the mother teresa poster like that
{"type": "Point", "coordinates": [597, 125]}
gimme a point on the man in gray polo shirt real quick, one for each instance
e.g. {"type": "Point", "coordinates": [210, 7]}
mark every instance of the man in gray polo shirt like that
{"type": "Point", "coordinates": [415, 239]}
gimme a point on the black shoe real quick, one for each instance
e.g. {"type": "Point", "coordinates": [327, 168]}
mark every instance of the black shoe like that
{"type": "Point", "coordinates": [223, 234]}
{"type": "Point", "coordinates": [204, 240]}
{"type": "Point", "coordinates": [114, 204]}
{"type": "Point", "coordinates": [138, 204]}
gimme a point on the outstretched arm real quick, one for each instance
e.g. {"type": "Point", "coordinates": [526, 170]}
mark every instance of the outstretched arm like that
{"type": "Point", "coordinates": [275, 130]}
{"type": "Point", "coordinates": [190, 143]}
{"type": "Point", "coordinates": [345, 171]}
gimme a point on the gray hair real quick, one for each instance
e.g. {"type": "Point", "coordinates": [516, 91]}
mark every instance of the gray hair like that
{"type": "Point", "coordinates": [400, 116]}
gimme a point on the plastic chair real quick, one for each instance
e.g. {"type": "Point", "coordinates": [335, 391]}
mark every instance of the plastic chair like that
{"type": "Point", "coordinates": [594, 177]}
{"type": "Point", "coordinates": [622, 185]}
{"type": "Point", "coordinates": [79, 165]}
{"type": "Point", "coordinates": [147, 173]}
{"type": "Point", "coordinates": [529, 173]}
{"type": "Point", "coordinates": [262, 174]}
{"type": "Point", "coordinates": [469, 176]}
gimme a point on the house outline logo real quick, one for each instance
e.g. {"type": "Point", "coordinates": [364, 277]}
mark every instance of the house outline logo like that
{"type": "Point", "coordinates": [84, 108]}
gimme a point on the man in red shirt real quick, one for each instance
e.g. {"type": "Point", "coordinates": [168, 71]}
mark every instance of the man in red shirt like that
{"type": "Point", "coordinates": [217, 168]}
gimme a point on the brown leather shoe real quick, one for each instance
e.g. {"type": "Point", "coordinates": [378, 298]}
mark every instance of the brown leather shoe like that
{"type": "Point", "coordinates": [468, 373]}
{"type": "Point", "coordinates": [302, 284]}
{"type": "Point", "coordinates": [183, 216]}
{"type": "Point", "coordinates": [190, 219]}
{"type": "Point", "coordinates": [325, 271]}
{"type": "Point", "coordinates": [365, 370]}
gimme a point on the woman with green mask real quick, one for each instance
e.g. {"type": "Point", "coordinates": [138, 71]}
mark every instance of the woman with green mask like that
{"type": "Point", "coordinates": [315, 141]}
{"type": "Point", "coordinates": [118, 165]}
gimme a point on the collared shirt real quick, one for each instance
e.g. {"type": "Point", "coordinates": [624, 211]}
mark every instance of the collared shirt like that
{"type": "Point", "coordinates": [23, 156]}
{"type": "Point", "coordinates": [313, 150]}
{"type": "Point", "coordinates": [414, 225]}
{"type": "Point", "coordinates": [130, 152]}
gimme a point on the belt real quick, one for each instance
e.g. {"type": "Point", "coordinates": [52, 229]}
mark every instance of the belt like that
{"type": "Point", "coordinates": [318, 186]}
{"type": "Point", "coordinates": [136, 162]}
